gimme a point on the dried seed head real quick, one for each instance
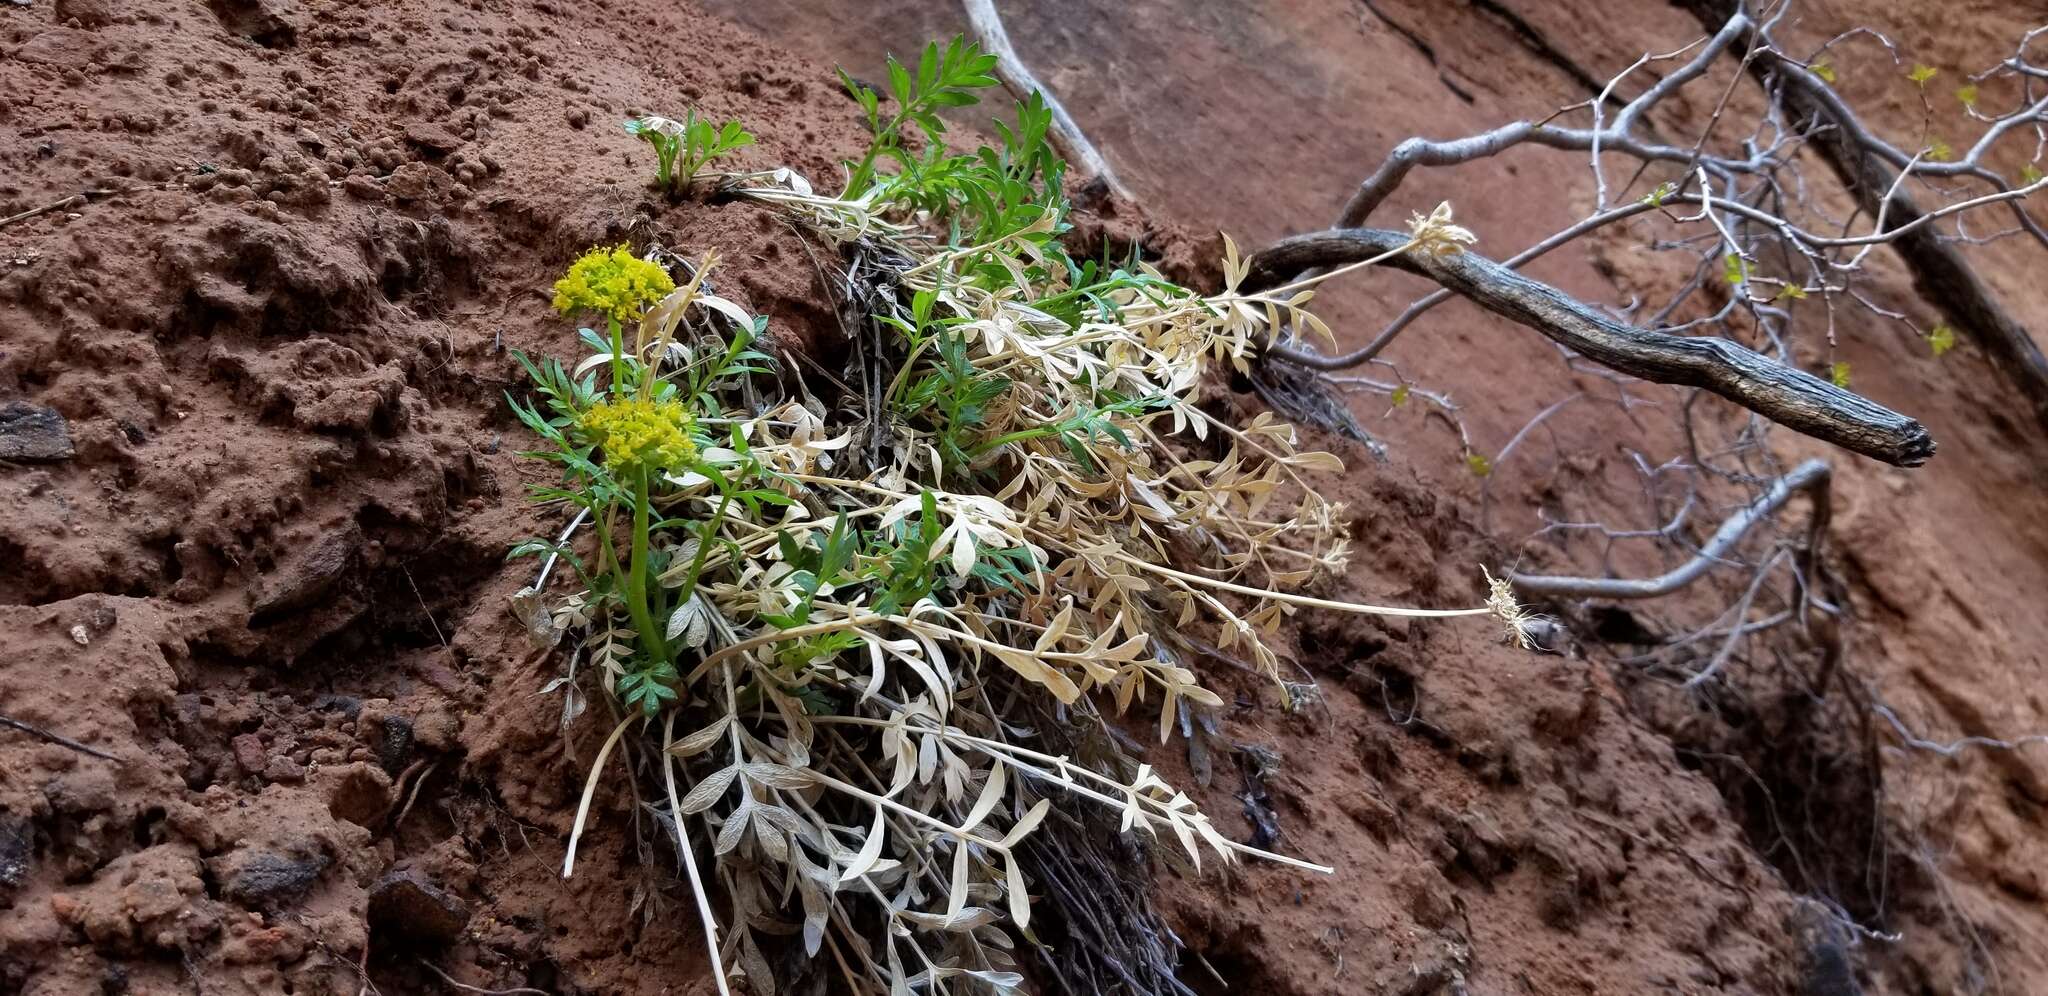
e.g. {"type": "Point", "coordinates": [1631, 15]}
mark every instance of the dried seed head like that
{"type": "Point", "coordinates": [1516, 622]}
{"type": "Point", "coordinates": [1436, 235]}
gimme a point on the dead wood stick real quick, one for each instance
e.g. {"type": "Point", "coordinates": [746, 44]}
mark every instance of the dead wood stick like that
{"type": "Point", "coordinates": [55, 738]}
{"type": "Point", "coordinates": [75, 200]}
{"type": "Point", "coordinates": [988, 29]}
{"type": "Point", "coordinates": [1811, 476]}
{"type": "Point", "coordinates": [1783, 394]}
{"type": "Point", "coordinates": [71, 201]}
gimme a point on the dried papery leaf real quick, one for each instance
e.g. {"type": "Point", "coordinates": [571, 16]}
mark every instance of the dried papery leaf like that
{"type": "Point", "coordinates": [701, 741]}
{"type": "Point", "coordinates": [735, 828]}
{"type": "Point", "coordinates": [956, 891]}
{"type": "Point", "coordinates": [774, 844]}
{"type": "Point", "coordinates": [814, 885]}
{"type": "Point", "coordinates": [1035, 670]}
{"type": "Point", "coordinates": [530, 608]}
{"type": "Point", "coordinates": [780, 776]}
{"type": "Point", "coordinates": [870, 850]}
{"type": "Point", "coordinates": [709, 790]}
{"type": "Point", "coordinates": [690, 624]}
{"type": "Point", "coordinates": [1020, 901]}
{"type": "Point", "coordinates": [572, 701]}
{"type": "Point", "coordinates": [1029, 822]}
{"type": "Point", "coordinates": [753, 967]}
{"type": "Point", "coordinates": [963, 920]}
{"type": "Point", "coordinates": [1187, 840]}
{"type": "Point", "coordinates": [991, 795]}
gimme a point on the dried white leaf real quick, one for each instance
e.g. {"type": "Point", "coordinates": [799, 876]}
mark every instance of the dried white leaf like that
{"type": "Point", "coordinates": [709, 790]}
{"type": "Point", "coordinates": [780, 776]}
{"type": "Point", "coordinates": [530, 608]}
{"type": "Point", "coordinates": [870, 850]}
{"type": "Point", "coordinates": [991, 794]}
{"type": "Point", "coordinates": [690, 624]}
{"type": "Point", "coordinates": [735, 828]}
{"type": "Point", "coordinates": [1020, 901]}
{"type": "Point", "coordinates": [701, 741]}
{"type": "Point", "coordinates": [956, 892]}
{"type": "Point", "coordinates": [1029, 823]}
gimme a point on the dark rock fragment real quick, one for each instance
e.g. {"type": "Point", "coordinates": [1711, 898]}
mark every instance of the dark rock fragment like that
{"type": "Point", "coordinates": [407, 905]}
{"type": "Point", "coordinates": [263, 878]}
{"type": "Point", "coordinates": [30, 434]}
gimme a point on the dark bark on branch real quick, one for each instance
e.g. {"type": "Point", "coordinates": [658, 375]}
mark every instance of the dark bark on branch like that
{"type": "Point", "coordinates": [1783, 394]}
{"type": "Point", "coordinates": [1939, 272]}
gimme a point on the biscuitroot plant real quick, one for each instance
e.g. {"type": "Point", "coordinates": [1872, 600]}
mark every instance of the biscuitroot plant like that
{"type": "Point", "coordinates": [682, 148]}
{"type": "Point", "coordinates": [825, 628]}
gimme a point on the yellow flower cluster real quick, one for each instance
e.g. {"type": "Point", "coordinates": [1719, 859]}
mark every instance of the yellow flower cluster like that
{"type": "Point", "coordinates": [637, 434]}
{"type": "Point", "coordinates": [612, 282]}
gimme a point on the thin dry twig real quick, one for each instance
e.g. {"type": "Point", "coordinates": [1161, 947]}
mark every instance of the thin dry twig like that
{"type": "Point", "coordinates": [75, 200]}
{"type": "Point", "coordinates": [1953, 748]}
{"type": "Point", "coordinates": [1810, 476]}
{"type": "Point", "coordinates": [1749, 187]}
{"type": "Point", "coordinates": [71, 201]}
{"type": "Point", "coordinates": [479, 990]}
{"type": "Point", "coordinates": [55, 738]}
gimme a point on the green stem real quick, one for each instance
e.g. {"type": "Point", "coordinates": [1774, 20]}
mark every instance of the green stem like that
{"type": "Point", "coordinates": [618, 365]}
{"type": "Point", "coordinates": [636, 576]}
{"type": "Point", "coordinates": [1014, 437]}
{"type": "Point", "coordinates": [703, 549]}
{"type": "Point", "coordinates": [863, 173]}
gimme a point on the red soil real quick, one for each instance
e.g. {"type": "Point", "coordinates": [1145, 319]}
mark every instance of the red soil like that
{"type": "Point", "coordinates": [269, 582]}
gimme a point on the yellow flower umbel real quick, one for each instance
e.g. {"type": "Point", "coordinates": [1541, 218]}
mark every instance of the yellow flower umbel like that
{"type": "Point", "coordinates": [638, 435]}
{"type": "Point", "coordinates": [612, 282]}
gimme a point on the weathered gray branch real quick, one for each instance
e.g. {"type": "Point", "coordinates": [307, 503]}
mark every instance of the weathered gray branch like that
{"type": "Point", "coordinates": [1783, 394]}
{"type": "Point", "coordinates": [1618, 136]}
{"type": "Point", "coordinates": [1809, 476]}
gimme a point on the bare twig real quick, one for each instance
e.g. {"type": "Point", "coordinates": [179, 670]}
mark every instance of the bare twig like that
{"type": "Point", "coordinates": [1871, 168]}
{"type": "Point", "coordinates": [58, 739]}
{"type": "Point", "coordinates": [1756, 213]}
{"type": "Point", "coordinates": [1618, 136]}
{"type": "Point", "coordinates": [429, 613]}
{"type": "Point", "coordinates": [75, 200]}
{"type": "Point", "coordinates": [479, 990]}
{"type": "Point", "coordinates": [1809, 476]}
{"type": "Point", "coordinates": [414, 796]}
{"type": "Point", "coordinates": [1486, 484]}
{"type": "Point", "coordinates": [1954, 747]}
